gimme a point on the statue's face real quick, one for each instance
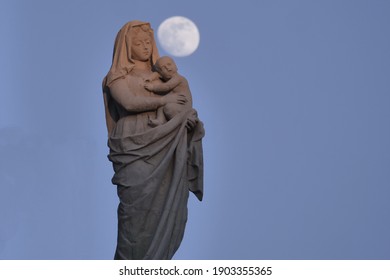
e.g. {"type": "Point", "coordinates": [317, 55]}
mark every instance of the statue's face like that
{"type": "Point", "coordinates": [141, 47]}
{"type": "Point", "coordinates": [166, 68]}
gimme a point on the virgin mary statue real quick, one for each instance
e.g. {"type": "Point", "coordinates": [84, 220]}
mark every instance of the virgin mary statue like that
{"type": "Point", "coordinates": [155, 168]}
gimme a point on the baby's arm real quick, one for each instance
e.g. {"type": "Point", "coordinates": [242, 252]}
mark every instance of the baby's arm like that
{"type": "Point", "coordinates": [164, 87]}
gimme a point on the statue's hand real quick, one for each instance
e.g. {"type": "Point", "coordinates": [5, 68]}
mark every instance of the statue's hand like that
{"type": "Point", "coordinates": [192, 120]}
{"type": "Point", "coordinates": [148, 86]}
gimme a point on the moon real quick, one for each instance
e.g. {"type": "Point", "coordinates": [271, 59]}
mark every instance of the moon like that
{"type": "Point", "coordinates": [178, 36]}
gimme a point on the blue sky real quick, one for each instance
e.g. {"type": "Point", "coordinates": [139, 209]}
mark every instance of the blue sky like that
{"type": "Point", "coordinates": [295, 98]}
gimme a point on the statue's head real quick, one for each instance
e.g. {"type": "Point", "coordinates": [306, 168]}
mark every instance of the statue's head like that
{"type": "Point", "coordinates": [139, 40]}
{"type": "Point", "coordinates": [166, 67]}
{"type": "Point", "coordinates": [134, 42]}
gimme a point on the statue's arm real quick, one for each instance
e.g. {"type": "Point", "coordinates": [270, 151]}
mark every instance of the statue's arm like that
{"type": "Point", "coordinates": [123, 95]}
{"type": "Point", "coordinates": [159, 87]}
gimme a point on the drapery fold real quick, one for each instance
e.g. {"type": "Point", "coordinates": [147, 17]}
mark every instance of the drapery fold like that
{"type": "Point", "coordinates": [154, 172]}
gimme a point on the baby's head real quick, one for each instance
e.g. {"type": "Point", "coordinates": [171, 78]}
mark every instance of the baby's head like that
{"type": "Point", "coordinates": [166, 67]}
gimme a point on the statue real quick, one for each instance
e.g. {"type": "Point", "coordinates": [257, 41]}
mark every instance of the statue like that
{"type": "Point", "coordinates": [155, 142]}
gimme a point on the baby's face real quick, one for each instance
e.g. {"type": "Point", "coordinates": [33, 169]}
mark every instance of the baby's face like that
{"type": "Point", "coordinates": [166, 68]}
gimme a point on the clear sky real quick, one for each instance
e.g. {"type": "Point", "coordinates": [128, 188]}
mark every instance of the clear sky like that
{"type": "Point", "coordinates": [295, 98]}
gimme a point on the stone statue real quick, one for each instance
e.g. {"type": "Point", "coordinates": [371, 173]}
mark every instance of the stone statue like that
{"type": "Point", "coordinates": [155, 166]}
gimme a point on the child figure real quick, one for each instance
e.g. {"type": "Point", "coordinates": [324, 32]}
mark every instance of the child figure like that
{"type": "Point", "coordinates": [173, 83]}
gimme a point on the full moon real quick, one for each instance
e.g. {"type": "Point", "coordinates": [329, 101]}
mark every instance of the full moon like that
{"type": "Point", "coordinates": [178, 36]}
